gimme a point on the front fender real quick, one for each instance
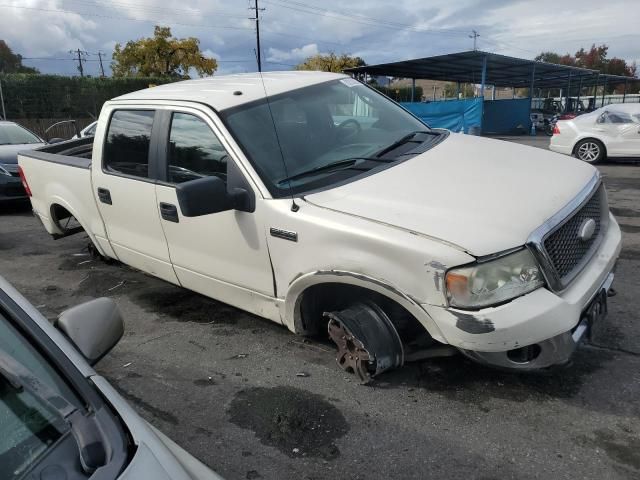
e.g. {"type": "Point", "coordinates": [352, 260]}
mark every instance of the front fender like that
{"type": "Point", "coordinates": [293, 319]}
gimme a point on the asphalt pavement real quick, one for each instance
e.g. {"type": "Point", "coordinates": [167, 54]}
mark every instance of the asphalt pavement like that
{"type": "Point", "coordinates": [252, 400]}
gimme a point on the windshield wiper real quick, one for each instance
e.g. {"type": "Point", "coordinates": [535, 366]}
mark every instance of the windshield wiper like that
{"type": "Point", "coordinates": [345, 162]}
{"type": "Point", "coordinates": [407, 138]}
{"type": "Point", "coordinates": [85, 431]}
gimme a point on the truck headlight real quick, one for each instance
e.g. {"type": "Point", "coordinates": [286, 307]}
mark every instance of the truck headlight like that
{"type": "Point", "coordinates": [494, 281]}
{"type": "Point", "coordinates": [3, 171]}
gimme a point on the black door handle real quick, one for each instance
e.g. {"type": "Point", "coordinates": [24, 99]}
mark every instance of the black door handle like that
{"type": "Point", "coordinates": [169, 212]}
{"type": "Point", "coordinates": [104, 195]}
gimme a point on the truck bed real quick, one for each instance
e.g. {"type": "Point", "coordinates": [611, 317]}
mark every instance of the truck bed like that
{"type": "Point", "coordinates": [74, 153]}
{"type": "Point", "coordinates": [59, 177]}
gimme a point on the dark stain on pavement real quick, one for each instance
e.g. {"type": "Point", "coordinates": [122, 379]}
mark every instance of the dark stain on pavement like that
{"type": "Point", "coordinates": [185, 306]}
{"type": "Point", "coordinates": [296, 422]}
{"type": "Point", "coordinates": [622, 449]}
{"type": "Point", "coordinates": [629, 254]}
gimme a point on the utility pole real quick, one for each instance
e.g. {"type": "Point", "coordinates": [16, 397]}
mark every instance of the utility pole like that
{"type": "Point", "coordinates": [474, 35]}
{"type": "Point", "coordinates": [257, 20]}
{"type": "Point", "coordinates": [101, 67]}
{"type": "Point", "coordinates": [81, 54]}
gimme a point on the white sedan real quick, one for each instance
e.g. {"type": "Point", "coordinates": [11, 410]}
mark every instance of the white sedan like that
{"type": "Point", "coordinates": [610, 131]}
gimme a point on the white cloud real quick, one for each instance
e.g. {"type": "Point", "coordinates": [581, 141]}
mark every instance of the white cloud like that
{"type": "Point", "coordinates": [49, 28]}
{"type": "Point", "coordinates": [294, 54]}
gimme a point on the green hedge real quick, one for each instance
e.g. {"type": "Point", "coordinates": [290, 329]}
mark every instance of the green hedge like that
{"type": "Point", "coordinates": [400, 94]}
{"type": "Point", "coordinates": [53, 96]}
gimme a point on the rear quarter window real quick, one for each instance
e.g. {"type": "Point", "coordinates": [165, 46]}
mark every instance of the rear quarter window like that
{"type": "Point", "coordinates": [126, 147]}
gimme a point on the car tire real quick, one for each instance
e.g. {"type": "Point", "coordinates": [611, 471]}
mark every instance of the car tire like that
{"type": "Point", "coordinates": [589, 150]}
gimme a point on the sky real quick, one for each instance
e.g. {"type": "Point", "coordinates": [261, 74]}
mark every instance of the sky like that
{"type": "Point", "coordinates": [44, 31]}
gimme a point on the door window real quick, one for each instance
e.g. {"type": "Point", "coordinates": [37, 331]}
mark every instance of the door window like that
{"type": "Point", "coordinates": [126, 149]}
{"type": "Point", "coordinates": [194, 150]}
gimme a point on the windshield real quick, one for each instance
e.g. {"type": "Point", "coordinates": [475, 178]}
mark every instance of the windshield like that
{"type": "Point", "coordinates": [12, 134]}
{"type": "Point", "coordinates": [318, 127]}
{"type": "Point", "coordinates": [28, 426]}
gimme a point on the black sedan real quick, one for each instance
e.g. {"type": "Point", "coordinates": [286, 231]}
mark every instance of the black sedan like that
{"type": "Point", "coordinates": [13, 139]}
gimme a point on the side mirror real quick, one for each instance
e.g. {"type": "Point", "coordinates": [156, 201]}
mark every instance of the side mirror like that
{"type": "Point", "coordinates": [55, 140]}
{"type": "Point", "coordinates": [94, 327]}
{"type": "Point", "coordinates": [207, 195]}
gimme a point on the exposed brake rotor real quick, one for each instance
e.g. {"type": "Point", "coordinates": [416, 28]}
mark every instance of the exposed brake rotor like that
{"type": "Point", "coordinates": [368, 343]}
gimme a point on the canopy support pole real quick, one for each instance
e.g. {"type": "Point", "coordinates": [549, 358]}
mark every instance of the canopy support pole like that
{"type": "Point", "coordinates": [604, 91]}
{"type": "Point", "coordinates": [624, 92]}
{"type": "Point", "coordinates": [531, 86]}
{"type": "Point", "coordinates": [413, 90]}
{"type": "Point", "coordinates": [579, 92]}
{"type": "Point", "coordinates": [567, 104]}
{"type": "Point", "coordinates": [458, 90]}
{"type": "Point", "coordinates": [484, 75]}
{"type": "Point", "coordinates": [595, 91]}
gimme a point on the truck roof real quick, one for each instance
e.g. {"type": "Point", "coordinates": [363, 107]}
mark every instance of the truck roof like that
{"type": "Point", "coordinates": [220, 92]}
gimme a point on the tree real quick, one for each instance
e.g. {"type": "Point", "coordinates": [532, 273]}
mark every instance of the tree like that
{"type": "Point", "coordinates": [595, 59]}
{"type": "Point", "coordinates": [161, 55]}
{"type": "Point", "coordinates": [451, 90]}
{"type": "Point", "coordinates": [330, 62]}
{"type": "Point", "coordinates": [11, 62]}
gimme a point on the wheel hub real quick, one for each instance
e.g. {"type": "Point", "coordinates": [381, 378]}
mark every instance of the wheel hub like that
{"type": "Point", "coordinates": [352, 356]}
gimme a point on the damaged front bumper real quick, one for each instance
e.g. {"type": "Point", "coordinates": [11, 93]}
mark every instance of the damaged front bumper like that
{"type": "Point", "coordinates": [554, 351]}
{"type": "Point", "coordinates": [539, 329]}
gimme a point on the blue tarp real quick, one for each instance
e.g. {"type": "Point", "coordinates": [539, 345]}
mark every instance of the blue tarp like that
{"type": "Point", "coordinates": [506, 116]}
{"type": "Point", "coordinates": [454, 115]}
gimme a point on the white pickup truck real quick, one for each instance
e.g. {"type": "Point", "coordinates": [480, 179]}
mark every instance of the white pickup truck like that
{"type": "Point", "coordinates": [312, 200]}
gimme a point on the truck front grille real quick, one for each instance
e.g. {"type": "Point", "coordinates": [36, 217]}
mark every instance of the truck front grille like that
{"type": "Point", "coordinates": [565, 243]}
{"type": "Point", "coordinates": [564, 246]}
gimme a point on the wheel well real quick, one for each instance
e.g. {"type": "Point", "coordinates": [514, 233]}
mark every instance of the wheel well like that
{"type": "Point", "coordinates": [604, 147]}
{"type": "Point", "coordinates": [327, 297]}
{"type": "Point", "coordinates": [59, 214]}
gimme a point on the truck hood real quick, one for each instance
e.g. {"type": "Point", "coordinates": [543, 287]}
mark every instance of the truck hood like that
{"type": "Point", "coordinates": [480, 195]}
{"type": "Point", "coordinates": [9, 153]}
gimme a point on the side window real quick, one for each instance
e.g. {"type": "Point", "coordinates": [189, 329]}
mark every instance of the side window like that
{"type": "Point", "coordinates": [126, 149]}
{"type": "Point", "coordinates": [194, 150]}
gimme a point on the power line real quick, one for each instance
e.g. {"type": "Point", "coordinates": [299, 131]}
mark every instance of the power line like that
{"type": "Point", "coordinates": [151, 8]}
{"type": "Point", "coordinates": [125, 18]}
{"type": "Point", "coordinates": [296, 6]}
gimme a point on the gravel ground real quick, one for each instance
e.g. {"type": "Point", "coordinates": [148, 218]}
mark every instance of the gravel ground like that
{"type": "Point", "coordinates": [253, 401]}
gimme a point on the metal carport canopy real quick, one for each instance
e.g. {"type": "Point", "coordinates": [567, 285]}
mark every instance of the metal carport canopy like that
{"type": "Point", "coordinates": [501, 71]}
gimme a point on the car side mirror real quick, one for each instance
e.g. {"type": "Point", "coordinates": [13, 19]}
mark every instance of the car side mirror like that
{"type": "Point", "coordinates": [208, 195]}
{"type": "Point", "coordinates": [55, 140]}
{"type": "Point", "coordinates": [94, 327]}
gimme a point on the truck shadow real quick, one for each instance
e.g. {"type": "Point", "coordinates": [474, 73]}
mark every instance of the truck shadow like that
{"type": "Point", "coordinates": [458, 379]}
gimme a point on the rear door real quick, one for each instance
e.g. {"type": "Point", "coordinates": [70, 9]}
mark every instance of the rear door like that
{"type": "Point", "coordinates": [222, 255]}
{"type": "Point", "coordinates": [124, 186]}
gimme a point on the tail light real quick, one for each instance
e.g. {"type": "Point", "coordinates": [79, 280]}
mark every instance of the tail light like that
{"type": "Point", "coordinates": [24, 180]}
{"type": "Point", "coordinates": [556, 129]}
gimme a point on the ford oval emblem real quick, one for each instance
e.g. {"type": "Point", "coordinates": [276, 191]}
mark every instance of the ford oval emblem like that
{"type": "Point", "coordinates": [587, 229]}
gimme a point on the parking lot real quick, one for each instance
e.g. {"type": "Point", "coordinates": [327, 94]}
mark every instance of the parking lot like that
{"type": "Point", "coordinates": [251, 400]}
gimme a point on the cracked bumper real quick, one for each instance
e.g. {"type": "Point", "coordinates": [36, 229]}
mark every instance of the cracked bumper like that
{"type": "Point", "coordinates": [551, 322]}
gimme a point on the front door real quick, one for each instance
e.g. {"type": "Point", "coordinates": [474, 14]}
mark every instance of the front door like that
{"type": "Point", "coordinates": [125, 193]}
{"type": "Point", "coordinates": [222, 255]}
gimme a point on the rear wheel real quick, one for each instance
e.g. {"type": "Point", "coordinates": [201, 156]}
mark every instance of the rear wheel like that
{"type": "Point", "coordinates": [590, 150]}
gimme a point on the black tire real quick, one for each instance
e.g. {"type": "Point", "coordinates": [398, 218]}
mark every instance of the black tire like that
{"type": "Point", "coordinates": [590, 150]}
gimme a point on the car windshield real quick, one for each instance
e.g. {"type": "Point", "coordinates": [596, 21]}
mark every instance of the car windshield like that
{"type": "Point", "coordinates": [28, 426]}
{"type": "Point", "coordinates": [12, 134]}
{"type": "Point", "coordinates": [325, 133]}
